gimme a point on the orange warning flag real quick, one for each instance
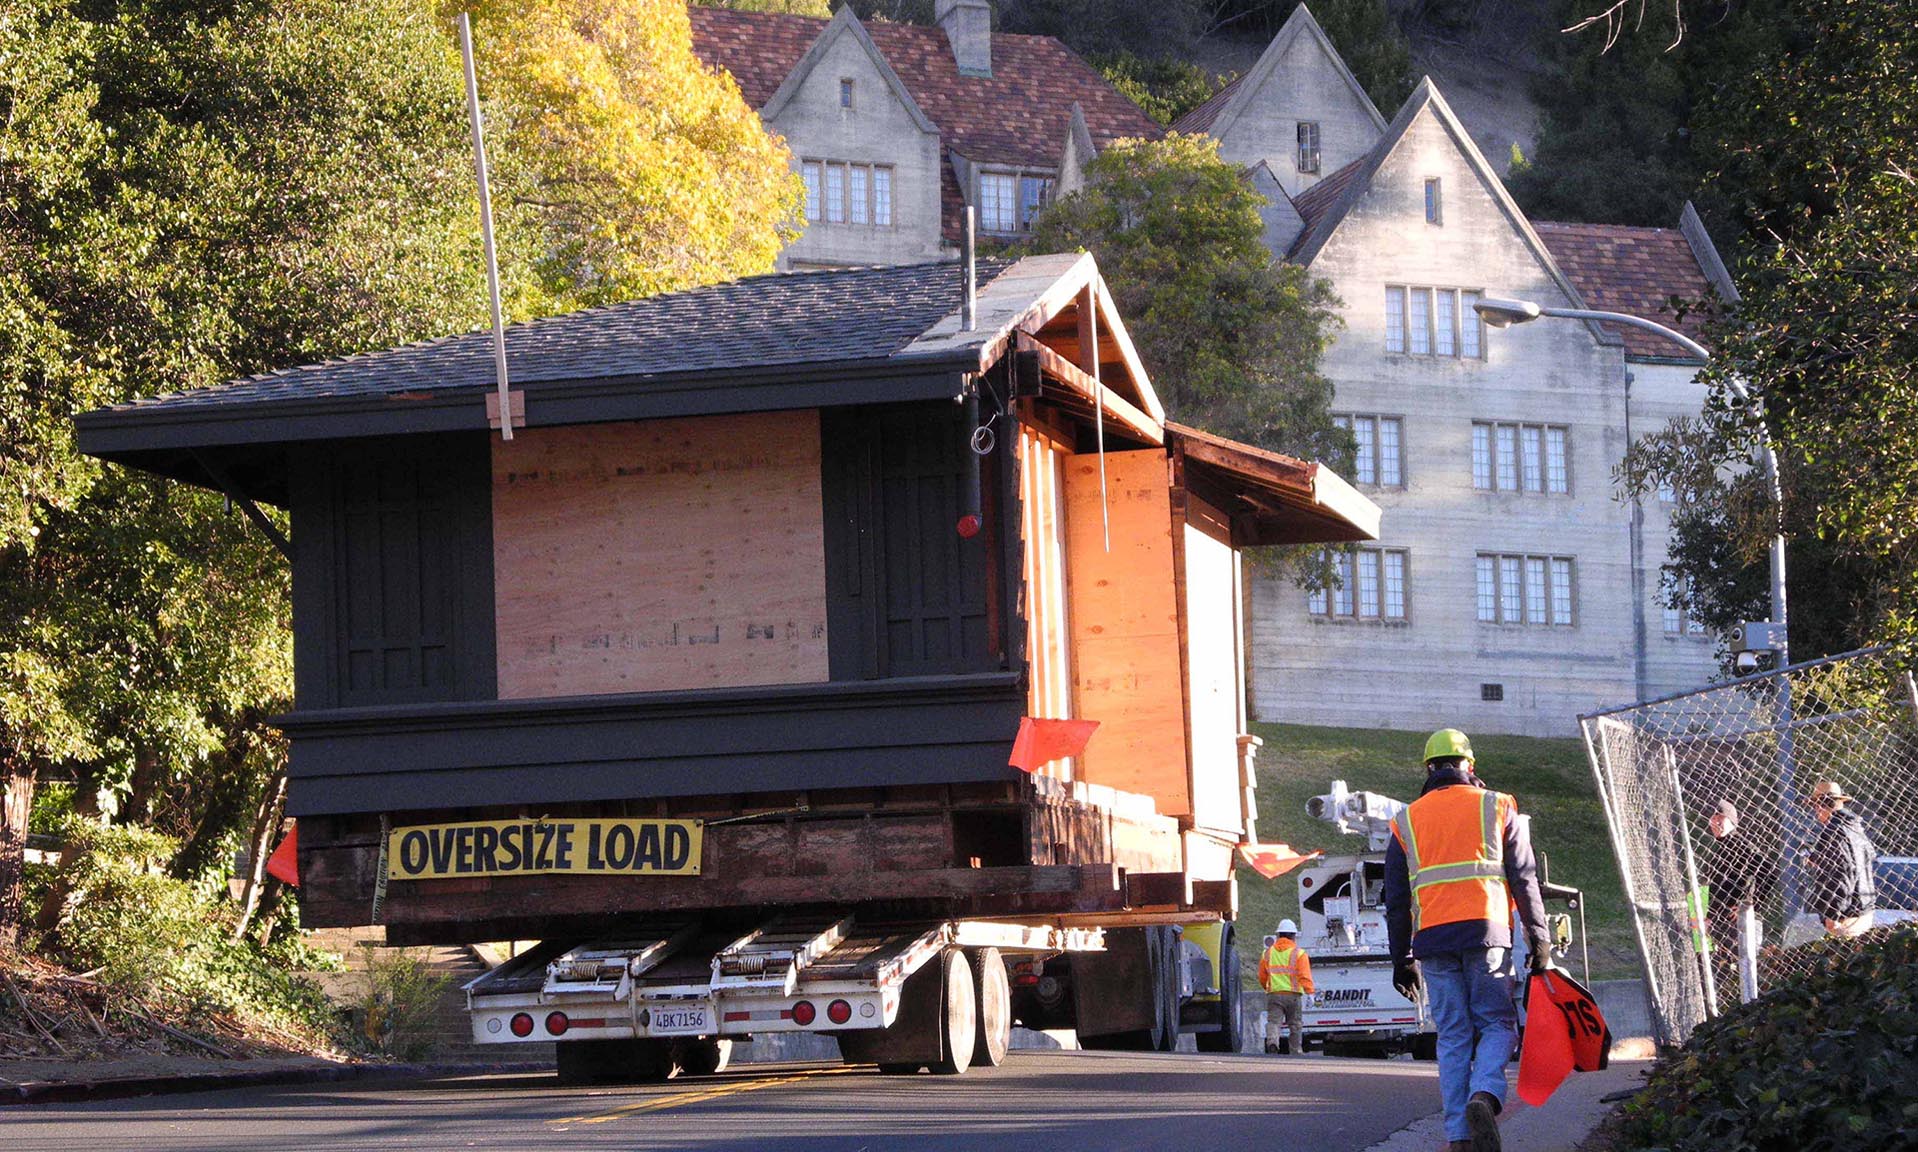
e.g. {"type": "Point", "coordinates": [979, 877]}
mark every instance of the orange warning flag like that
{"type": "Point", "coordinates": [285, 861]}
{"type": "Point", "coordinates": [1043, 741]}
{"type": "Point", "coordinates": [1274, 860]}
{"type": "Point", "coordinates": [1564, 1033]}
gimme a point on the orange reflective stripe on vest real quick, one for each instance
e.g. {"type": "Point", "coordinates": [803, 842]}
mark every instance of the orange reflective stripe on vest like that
{"type": "Point", "coordinates": [1282, 969]}
{"type": "Point", "coordinates": [1454, 843]}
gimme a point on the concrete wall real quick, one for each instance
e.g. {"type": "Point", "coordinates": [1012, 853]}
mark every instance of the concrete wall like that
{"type": "Point", "coordinates": [1305, 84]}
{"type": "Point", "coordinates": [1427, 672]}
{"type": "Point", "coordinates": [877, 129]}
{"type": "Point", "coordinates": [1661, 393]}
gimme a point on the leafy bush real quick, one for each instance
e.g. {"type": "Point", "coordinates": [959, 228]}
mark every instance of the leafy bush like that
{"type": "Point", "coordinates": [166, 942]}
{"type": "Point", "coordinates": [399, 1000]}
{"type": "Point", "coordinates": [1828, 1060]}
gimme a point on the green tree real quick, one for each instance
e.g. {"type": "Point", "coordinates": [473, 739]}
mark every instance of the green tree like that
{"type": "Point", "coordinates": [1815, 149]}
{"type": "Point", "coordinates": [1167, 88]}
{"type": "Point", "coordinates": [1373, 46]}
{"type": "Point", "coordinates": [1231, 335]}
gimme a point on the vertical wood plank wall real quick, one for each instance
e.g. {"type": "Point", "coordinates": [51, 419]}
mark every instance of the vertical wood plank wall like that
{"type": "Point", "coordinates": [1124, 624]}
{"type": "Point", "coordinates": [660, 555]}
{"type": "Point", "coordinates": [1213, 664]}
{"type": "Point", "coordinates": [1042, 527]}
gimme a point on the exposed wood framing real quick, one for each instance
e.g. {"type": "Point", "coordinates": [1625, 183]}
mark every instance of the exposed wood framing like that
{"type": "Point", "coordinates": [225, 484]}
{"type": "Point", "coordinates": [1118, 409]}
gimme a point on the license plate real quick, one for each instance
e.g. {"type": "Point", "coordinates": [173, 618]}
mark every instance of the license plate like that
{"type": "Point", "coordinates": [687, 1020]}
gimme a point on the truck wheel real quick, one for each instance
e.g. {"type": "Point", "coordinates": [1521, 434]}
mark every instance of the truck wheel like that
{"type": "Point", "coordinates": [992, 995]}
{"type": "Point", "coordinates": [615, 1061]}
{"type": "Point", "coordinates": [703, 1057]}
{"type": "Point", "coordinates": [1165, 1036]}
{"type": "Point", "coordinates": [1231, 1034]}
{"type": "Point", "coordinates": [959, 1021]}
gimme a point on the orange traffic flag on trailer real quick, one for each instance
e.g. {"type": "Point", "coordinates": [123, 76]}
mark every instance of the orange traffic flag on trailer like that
{"type": "Point", "coordinates": [1274, 860]}
{"type": "Point", "coordinates": [1043, 741]}
{"type": "Point", "coordinates": [1564, 1033]}
{"type": "Point", "coordinates": [285, 861]}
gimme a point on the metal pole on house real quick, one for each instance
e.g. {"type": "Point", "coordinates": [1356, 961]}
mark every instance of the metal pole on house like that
{"type": "Point", "coordinates": [1696, 899]}
{"type": "Point", "coordinates": [486, 228]}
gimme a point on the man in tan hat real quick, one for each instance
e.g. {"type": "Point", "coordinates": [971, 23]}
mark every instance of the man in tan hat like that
{"type": "Point", "coordinates": [1843, 893]}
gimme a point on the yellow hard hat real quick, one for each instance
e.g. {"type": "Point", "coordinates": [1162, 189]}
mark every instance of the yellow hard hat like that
{"type": "Point", "coordinates": [1447, 743]}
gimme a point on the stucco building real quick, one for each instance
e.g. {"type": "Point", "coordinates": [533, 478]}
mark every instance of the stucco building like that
{"type": "Point", "coordinates": [895, 128]}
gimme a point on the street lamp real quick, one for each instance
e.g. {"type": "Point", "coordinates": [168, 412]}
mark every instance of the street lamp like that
{"type": "Point", "coordinates": [1774, 634]}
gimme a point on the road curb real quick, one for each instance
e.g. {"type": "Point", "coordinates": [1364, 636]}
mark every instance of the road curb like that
{"type": "Point", "coordinates": [73, 1091]}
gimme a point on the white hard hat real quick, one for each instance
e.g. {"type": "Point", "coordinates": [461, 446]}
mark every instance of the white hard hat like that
{"type": "Point", "coordinates": [1287, 928]}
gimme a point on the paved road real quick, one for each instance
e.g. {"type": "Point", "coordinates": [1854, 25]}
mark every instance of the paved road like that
{"type": "Point", "coordinates": [1040, 1101]}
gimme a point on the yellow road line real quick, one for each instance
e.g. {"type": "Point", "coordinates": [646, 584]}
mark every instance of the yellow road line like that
{"type": "Point", "coordinates": [698, 1096]}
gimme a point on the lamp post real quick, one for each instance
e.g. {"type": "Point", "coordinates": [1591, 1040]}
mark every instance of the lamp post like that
{"type": "Point", "coordinates": [1503, 313]}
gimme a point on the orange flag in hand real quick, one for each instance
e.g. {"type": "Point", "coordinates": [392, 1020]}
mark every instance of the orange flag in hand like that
{"type": "Point", "coordinates": [285, 861]}
{"type": "Point", "coordinates": [1042, 741]}
{"type": "Point", "coordinates": [1564, 1033]}
{"type": "Point", "coordinates": [1274, 860]}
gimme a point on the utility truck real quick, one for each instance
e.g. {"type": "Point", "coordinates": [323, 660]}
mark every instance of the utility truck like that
{"type": "Point", "coordinates": [789, 654]}
{"type": "Point", "coordinates": [1354, 1009]}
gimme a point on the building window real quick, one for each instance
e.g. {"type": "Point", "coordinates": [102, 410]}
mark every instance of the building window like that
{"type": "Point", "coordinates": [1371, 586]}
{"type": "Point", "coordinates": [1519, 589]}
{"type": "Point", "coordinates": [1437, 322]}
{"type": "Point", "coordinates": [1432, 202]}
{"type": "Point", "coordinates": [1520, 458]}
{"type": "Point", "coordinates": [1308, 146]}
{"type": "Point", "coordinates": [847, 193]}
{"type": "Point", "coordinates": [1680, 619]}
{"type": "Point", "coordinates": [996, 208]}
{"type": "Point", "coordinates": [1035, 192]}
{"type": "Point", "coordinates": [845, 93]}
{"type": "Point", "coordinates": [1380, 458]}
{"type": "Point", "coordinates": [1491, 693]}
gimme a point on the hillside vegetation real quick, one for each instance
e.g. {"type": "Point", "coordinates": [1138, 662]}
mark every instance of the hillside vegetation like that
{"type": "Point", "coordinates": [1550, 778]}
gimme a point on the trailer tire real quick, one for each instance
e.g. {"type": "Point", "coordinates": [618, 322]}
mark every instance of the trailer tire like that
{"type": "Point", "coordinates": [992, 998]}
{"type": "Point", "coordinates": [615, 1061]}
{"type": "Point", "coordinates": [706, 1056]}
{"type": "Point", "coordinates": [959, 1018]}
{"type": "Point", "coordinates": [1231, 1034]}
{"type": "Point", "coordinates": [1165, 1035]}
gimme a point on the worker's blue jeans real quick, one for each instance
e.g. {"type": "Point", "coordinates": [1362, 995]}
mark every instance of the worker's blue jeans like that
{"type": "Point", "coordinates": [1471, 998]}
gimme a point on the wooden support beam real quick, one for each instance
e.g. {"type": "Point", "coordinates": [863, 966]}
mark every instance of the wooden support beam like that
{"type": "Point", "coordinates": [225, 484]}
{"type": "Point", "coordinates": [1075, 379]}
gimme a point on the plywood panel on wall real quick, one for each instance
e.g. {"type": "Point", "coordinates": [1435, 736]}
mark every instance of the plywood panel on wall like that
{"type": "Point", "coordinates": [1125, 627]}
{"type": "Point", "coordinates": [1212, 662]}
{"type": "Point", "coordinates": [1042, 526]}
{"type": "Point", "coordinates": [659, 555]}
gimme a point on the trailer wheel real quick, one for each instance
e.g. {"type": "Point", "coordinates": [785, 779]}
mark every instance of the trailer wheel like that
{"type": "Point", "coordinates": [992, 996]}
{"type": "Point", "coordinates": [706, 1056]}
{"type": "Point", "coordinates": [1165, 1036]}
{"type": "Point", "coordinates": [615, 1061]}
{"type": "Point", "coordinates": [959, 1019]}
{"type": "Point", "coordinates": [1231, 1034]}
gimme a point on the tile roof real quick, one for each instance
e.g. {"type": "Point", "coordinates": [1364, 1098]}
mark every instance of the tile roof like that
{"type": "Point", "coordinates": [786, 318]}
{"type": "Point", "coordinates": [1018, 115]}
{"type": "Point", "coordinates": [1200, 119]}
{"type": "Point", "coordinates": [1321, 203]}
{"type": "Point", "coordinates": [1642, 271]}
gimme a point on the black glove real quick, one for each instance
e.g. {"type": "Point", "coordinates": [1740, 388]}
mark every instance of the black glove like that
{"type": "Point", "coordinates": [1539, 956]}
{"type": "Point", "coordinates": [1406, 978]}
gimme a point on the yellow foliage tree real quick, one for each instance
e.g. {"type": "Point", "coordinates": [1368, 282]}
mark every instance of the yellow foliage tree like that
{"type": "Point", "coordinates": [625, 165]}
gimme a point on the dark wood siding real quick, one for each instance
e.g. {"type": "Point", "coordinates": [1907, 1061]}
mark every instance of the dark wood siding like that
{"type": "Point", "coordinates": [393, 584]}
{"type": "Point", "coordinates": [906, 596]}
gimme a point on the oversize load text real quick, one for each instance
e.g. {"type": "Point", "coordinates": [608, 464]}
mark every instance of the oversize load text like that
{"type": "Point", "coordinates": [520, 847]}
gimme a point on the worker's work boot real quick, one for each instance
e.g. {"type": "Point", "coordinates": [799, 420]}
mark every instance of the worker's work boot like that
{"type": "Point", "coordinates": [1481, 1118]}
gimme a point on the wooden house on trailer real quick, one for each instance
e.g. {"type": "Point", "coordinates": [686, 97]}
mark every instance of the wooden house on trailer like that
{"type": "Point", "coordinates": [779, 566]}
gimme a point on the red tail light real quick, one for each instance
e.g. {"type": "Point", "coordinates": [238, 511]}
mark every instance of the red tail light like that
{"type": "Point", "coordinates": [838, 1011]}
{"type": "Point", "coordinates": [556, 1023]}
{"type": "Point", "coordinates": [522, 1025]}
{"type": "Point", "coordinates": [804, 1013]}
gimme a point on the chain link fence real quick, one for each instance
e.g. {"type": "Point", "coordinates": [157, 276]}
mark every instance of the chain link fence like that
{"type": "Point", "coordinates": [1731, 855]}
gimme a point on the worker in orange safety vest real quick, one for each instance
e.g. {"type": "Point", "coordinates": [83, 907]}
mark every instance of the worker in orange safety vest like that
{"type": "Point", "coordinates": [1285, 972]}
{"type": "Point", "coordinates": [1458, 866]}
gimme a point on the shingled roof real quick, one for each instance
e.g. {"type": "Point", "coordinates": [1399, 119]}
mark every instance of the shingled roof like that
{"type": "Point", "coordinates": [1642, 271]}
{"type": "Point", "coordinates": [1200, 119]}
{"type": "Point", "coordinates": [1017, 115]}
{"type": "Point", "coordinates": [785, 318]}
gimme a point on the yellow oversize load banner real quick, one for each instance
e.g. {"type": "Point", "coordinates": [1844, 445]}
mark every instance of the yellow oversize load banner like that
{"type": "Point", "coordinates": [524, 847]}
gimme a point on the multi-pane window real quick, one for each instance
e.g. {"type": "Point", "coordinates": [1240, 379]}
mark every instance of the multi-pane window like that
{"type": "Point", "coordinates": [1432, 215]}
{"type": "Point", "coordinates": [845, 93]}
{"type": "Point", "coordinates": [1680, 619]}
{"type": "Point", "coordinates": [1433, 322]}
{"type": "Point", "coordinates": [1035, 192]}
{"type": "Point", "coordinates": [1520, 589]}
{"type": "Point", "coordinates": [1308, 146]}
{"type": "Point", "coordinates": [1370, 586]}
{"type": "Point", "coordinates": [996, 203]}
{"type": "Point", "coordinates": [847, 193]}
{"type": "Point", "coordinates": [1380, 458]}
{"type": "Point", "coordinates": [1519, 458]}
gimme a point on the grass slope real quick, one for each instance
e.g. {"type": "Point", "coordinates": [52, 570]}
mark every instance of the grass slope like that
{"type": "Point", "coordinates": [1550, 778]}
